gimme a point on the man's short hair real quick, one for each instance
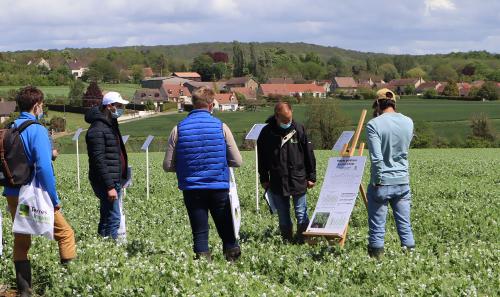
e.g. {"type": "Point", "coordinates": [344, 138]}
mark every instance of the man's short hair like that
{"type": "Point", "coordinates": [27, 97]}
{"type": "Point", "coordinates": [203, 97]}
{"type": "Point", "coordinates": [281, 106]}
{"type": "Point", "coordinates": [383, 104]}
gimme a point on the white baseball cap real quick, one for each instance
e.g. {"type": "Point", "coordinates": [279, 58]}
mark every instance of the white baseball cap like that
{"type": "Point", "coordinates": [113, 97]}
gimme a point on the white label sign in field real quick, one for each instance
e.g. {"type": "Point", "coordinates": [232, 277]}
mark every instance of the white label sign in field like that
{"type": "Point", "coordinates": [344, 138]}
{"type": "Point", "coordinates": [125, 138]}
{"type": "Point", "coordinates": [148, 141]}
{"type": "Point", "coordinates": [255, 132]}
{"type": "Point", "coordinates": [338, 195]}
{"type": "Point", "coordinates": [77, 134]}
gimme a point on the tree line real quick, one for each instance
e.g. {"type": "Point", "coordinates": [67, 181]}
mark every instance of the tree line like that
{"type": "Point", "coordinates": [215, 61]}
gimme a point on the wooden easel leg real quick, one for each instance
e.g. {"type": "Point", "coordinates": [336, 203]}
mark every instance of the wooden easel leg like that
{"type": "Point", "coordinates": [344, 237]}
{"type": "Point", "coordinates": [349, 152]}
{"type": "Point", "coordinates": [363, 195]}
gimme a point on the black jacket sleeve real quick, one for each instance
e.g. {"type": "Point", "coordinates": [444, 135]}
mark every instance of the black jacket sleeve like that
{"type": "Point", "coordinates": [261, 152]}
{"type": "Point", "coordinates": [96, 147]}
{"type": "Point", "coordinates": [309, 159]}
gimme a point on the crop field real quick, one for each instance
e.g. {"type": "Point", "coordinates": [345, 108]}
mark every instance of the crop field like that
{"type": "Point", "coordinates": [456, 207]}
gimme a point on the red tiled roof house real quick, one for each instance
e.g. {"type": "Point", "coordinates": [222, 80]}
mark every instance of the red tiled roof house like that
{"type": "Point", "coordinates": [344, 84]}
{"type": "Point", "coordinates": [188, 75]}
{"type": "Point", "coordinates": [226, 102]}
{"type": "Point", "coordinates": [242, 82]}
{"type": "Point", "coordinates": [292, 90]}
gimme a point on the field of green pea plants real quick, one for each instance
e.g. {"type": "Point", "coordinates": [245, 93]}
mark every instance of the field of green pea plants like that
{"type": "Point", "coordinates": [456, 209]}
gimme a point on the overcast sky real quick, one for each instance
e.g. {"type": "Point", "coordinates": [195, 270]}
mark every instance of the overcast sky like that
{"type": "Point", "coordinates": [398, 26]}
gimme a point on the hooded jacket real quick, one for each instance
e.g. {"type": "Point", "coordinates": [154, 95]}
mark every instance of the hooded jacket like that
{"type": "Point", "coordinates": [38, 151]}
{"type": "Point", "coordinates": [286, 166]}
{"type": "Point", "coordinates": [108, 160]}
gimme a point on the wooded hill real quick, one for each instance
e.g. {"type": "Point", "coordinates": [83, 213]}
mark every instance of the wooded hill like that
{"type": "Point", "coordinates": [262, 60]}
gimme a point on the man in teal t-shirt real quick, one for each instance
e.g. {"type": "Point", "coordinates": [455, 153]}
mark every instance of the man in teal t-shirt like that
{"type": "Point", "coordinates": [389, 135]}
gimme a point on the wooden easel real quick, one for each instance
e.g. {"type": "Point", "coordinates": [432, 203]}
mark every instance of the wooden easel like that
{"type": "Point", "coordinates": [346, 152]}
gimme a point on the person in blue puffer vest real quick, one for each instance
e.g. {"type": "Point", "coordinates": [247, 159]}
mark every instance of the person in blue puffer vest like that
{"type": "Point", "coordinates": [200, 150]}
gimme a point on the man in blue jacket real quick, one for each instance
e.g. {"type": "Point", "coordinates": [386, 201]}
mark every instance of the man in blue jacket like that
{"type": "Point", "coordinates": [38, 150]}
{"type": "Point", "coordinates": [200, 150]}
{"type": "Point", "coordinates": [389, 135]}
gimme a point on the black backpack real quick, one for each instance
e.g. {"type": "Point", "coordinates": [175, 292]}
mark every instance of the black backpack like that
{"type": "Point", "coordinates": [15, 170]}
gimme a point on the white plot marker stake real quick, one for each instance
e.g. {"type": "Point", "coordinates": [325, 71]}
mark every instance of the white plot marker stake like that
{"type": "Point", "coordinates": [256, 176]}
{"type": "Point", "coordinates": [254, 135]}
{"type": "Point", "coordinates": [145, 147]}
{"type": "Point", "coordinates": [125, 139]}
{"type": "Point", "coordinates": [75, 138]}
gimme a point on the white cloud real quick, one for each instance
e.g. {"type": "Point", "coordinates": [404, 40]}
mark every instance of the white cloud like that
{"type": "Point", "coordinates": [439, 5]}
{"type": "Point", "coordinates": [413, 26]}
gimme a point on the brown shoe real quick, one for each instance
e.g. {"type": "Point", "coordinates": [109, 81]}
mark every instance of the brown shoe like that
{"type": "Point", "coordinates": [232, 255]}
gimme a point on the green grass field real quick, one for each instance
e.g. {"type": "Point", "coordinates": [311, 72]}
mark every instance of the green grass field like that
{"type": "Point", "coordinates": [455, 207]}
{"type": "Point", "coordinates": [448, 119]}
{"type": "Point", "coordinates": [48, 90]}
{"type": "Point", "coordinates": [73, 120]}
{"type": "Point", "coordinates": [127, 90]}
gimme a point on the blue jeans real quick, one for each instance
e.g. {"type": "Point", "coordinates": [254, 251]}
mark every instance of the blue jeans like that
{"type": "Point", "coordinates": [198, 203]}
{"type": "Point", "coordinates": [109, 221]}
{"type": "Point", "coordinates": [283, 207]}
{"type": "Point", "coordinates": [399, 196]}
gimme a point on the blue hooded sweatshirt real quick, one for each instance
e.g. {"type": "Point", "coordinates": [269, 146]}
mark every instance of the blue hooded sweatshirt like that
{"type": "Point", "coordinates": [38, 150]}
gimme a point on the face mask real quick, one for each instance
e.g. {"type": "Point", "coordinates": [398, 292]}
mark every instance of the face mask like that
{"type": "Point", "coordinates": [117, 113]}
{"type": "Point", "coordinates": [285, 126]}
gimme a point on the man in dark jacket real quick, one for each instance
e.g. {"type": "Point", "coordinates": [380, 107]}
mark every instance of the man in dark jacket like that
{"type": "Point", "coordinates": [107, 160]}
{"type": "Point", "coordinates": [287, 168]}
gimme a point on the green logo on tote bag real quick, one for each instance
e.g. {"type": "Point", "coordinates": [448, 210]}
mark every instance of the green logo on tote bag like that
{"type": "Point", "coordinates": [24, 210]}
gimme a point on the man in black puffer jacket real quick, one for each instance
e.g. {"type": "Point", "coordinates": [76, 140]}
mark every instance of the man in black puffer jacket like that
{"type": "Point", "coordinates": [107, 160]}
{"type": "Point", "coordinates": [287, 168]}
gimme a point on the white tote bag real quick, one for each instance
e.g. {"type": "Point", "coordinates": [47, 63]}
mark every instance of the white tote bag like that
{"type": "Point", "coordinates": [235, 204]}
{"type": "Point", "coordinates": [122, 230]}
{"type": "Point", "coordinates": [35, 212]}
